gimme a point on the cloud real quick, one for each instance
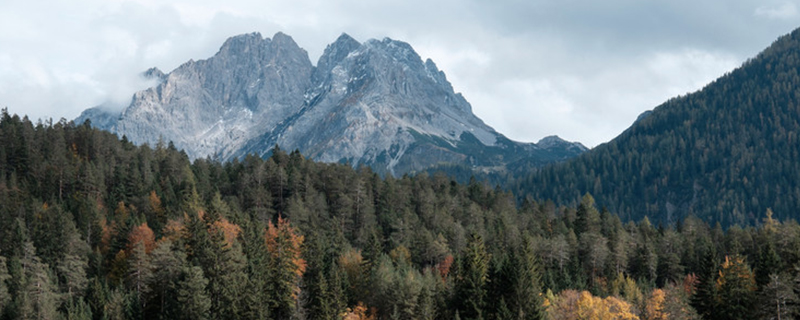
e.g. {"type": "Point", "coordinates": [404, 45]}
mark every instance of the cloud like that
{"type": "Point", "coordinates": [786, 10]}
{"type": "Point", "coordinates": [581, 69]}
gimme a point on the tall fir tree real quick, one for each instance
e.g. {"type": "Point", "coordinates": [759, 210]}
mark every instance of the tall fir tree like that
{"type": "Point", "coordinates": [471, 284]}
{"type": "Point", "coordinates": [193, 302]}
{"type": "Point", "coordinates": [5, 296]}
{"type": "Point", "coordinates": [286, 268]}
{"type": "Point", "coordinates": [704, 299]}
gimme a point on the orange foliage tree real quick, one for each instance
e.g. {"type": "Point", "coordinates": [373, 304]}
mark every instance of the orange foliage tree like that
{"type": "Point", "coordinates": [444, 266]}
{"type": "Point", "coordinates": [229, 230]}
{"type": "Point", "coordinates": [141, 233]}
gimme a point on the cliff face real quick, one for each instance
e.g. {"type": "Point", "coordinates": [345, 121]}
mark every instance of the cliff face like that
{"type": "Point", "coordinates": [374, 103]}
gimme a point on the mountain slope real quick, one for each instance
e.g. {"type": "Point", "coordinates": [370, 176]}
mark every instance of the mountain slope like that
{"type": "Point", "coordinates": [726, 153]}
{"type": "Point", "coordinates": [374, 103]}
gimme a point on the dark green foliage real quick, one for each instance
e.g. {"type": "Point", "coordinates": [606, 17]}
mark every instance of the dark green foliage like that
{"type": "Point", "coordinates": [473, 279]}
{"type": "Point", "coordinates": [5, 297]}
{"type": "Point", "coordinates": [407, 248]}
{"type": "Point", "coordinates": [704, 299]}
{"type": "Point", "coordinates": [725, 153]}
{"type": "Point", "coordinates": [193, 302]}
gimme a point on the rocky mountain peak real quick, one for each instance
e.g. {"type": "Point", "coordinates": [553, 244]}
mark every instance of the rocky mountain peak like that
{"type": "Point", "coordinates": [334, 54]}
{"type": "Point", "coordinates": [154, 74]}
{"type": "Point", "coordinates": [398, 51]}
{"type": "Point", "coordinates": [374, 103]}
{"type": "Point", "coordinates": [241, 44]}
{"type": "Point", "coordinates": [555, 142]}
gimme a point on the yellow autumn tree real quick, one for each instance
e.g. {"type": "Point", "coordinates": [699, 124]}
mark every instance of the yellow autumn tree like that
{"type": "Point", "coordinates": [654, 310]}
{"type": "Point", "coordinates": [359, 312]}
{"type": "Point", "coordinates": [571, 304]}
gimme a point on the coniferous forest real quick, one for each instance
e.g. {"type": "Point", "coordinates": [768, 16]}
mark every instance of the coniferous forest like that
{"type": "Point", "coordinates": [725, 154]}
{"type": "Point", "coordinates": [94, 227]}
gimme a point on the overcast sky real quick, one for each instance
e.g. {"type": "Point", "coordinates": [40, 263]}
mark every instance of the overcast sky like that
{"type": "Point", "coordinates": [580, 69]}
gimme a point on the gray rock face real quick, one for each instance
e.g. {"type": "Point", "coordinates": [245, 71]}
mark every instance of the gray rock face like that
{"type": "Point", "coordinates": [374, 103]}
{"type": "Point", "coordinates": [212, 107]}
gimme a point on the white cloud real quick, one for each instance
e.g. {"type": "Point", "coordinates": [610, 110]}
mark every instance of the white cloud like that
{"type": "Point", "coordinates": [533, 68]}
{"type": "Point", "coordinates": [786, 10]}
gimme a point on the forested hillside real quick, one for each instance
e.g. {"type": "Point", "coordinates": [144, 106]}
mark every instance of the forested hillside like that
{"type": "Point", "coordinates": [725, 154]}
{"type": "Point", "coordinates": [96, 228]}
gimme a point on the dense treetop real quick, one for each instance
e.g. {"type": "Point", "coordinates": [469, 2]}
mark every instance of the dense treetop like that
{"type": "Point", "coordinates": [93, 227]}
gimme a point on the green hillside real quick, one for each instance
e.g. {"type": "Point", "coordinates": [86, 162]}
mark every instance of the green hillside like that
{"type": "Point", "coordinates": [725, 154]}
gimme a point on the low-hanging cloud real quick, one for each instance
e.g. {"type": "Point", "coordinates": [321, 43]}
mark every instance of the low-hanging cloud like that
{"type": "Point", "coordinates": [580, 69]}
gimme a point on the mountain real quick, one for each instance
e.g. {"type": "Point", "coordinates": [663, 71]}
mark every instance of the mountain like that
{"type": "Point", "coordinates": [726, 153]}
{"type": "Point", "coordinates": [374, 103]}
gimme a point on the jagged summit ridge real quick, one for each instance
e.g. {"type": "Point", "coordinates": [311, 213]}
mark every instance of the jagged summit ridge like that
{"type": "Point", "coordinates": [375, 103]}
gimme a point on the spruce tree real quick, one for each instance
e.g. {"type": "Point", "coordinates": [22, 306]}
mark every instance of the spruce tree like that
{"type": "Point", "coordinates": [5, 296]}
{"type": "Point", "coordinates": [768, 264]}
{"type": "Point", "coordinates": [471, 286]}
{"type": "Point", "coordinates": [286, 267]}
{"type": "Point", "coordinates": [167, 263]}
{"type": "Point", "coordinates": [526, 302]}
{"type": "Point", "coordinates": [37, 297]}
{"type": "Point", "coordinates": [705, 295]}
{"type": "Point", "coordinates": [193, 302]}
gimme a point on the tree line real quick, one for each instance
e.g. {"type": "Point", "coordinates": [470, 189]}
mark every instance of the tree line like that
{"type": "Point", "coordinates": [94, 227]}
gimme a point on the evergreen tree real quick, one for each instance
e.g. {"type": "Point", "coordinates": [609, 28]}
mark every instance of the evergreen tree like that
{"type": "Point", "coordinates": [526, 298]}
{"type": "Point", "coordinates": [72, 267]}
{"type": "Point", "coordinates": [704, 299]}
{"type": "Point", "coordinates": [736, 287]}
{"type": "Point", "coordinates": [78, 309]}
{"type": "Point", "coordinates": [193, 302]}
{"type": "Point", "coordinates": [37, 297]}
{"type": "Point", "coordinates": [471, 285]}
{"type": "Point", "coordinates": [167, 266]}
{"type": "Point", "coordinates": [768, 264]}
{"type": "Point", "coordinates": [776, 299]}
{"type": "Point", "coordinates": [286, 268]}
{"type": "Point", "coordinates": [5, 296]}
{"type": "Point", "coordinates": [140, 272]}
{"type": "Point", "coordinates": [587, 217]}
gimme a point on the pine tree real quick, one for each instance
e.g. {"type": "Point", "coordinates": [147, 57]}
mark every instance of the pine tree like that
{"type": "Point", "coordinates": [705, 296]}
{"type": "Point", "coordinates": [118, 306]}
{"type": "Point", "coordinates": [776, 299]}
{"type": "Point", "coordinates": [286, 268]}
{"type": "Point", "coordinates": [316, 288]}
{"type": "Point", "coordinates": [78, 309]}
{"type": "Point", "coordinates": [768, 264]}
{"type": "Point", "coordinates": [193, 302]}
{"type": "Point", "coordinates": [167, 266]}
{"type": "Point", "coordinates": [426, 306]}
{"type": "Point", "coordinates": [587, 217]}
{"type": "Point", "coordinates": [140, 272]}
{"type": "Point", "coordinates": [471, 285]}
{"type": "Point", "coordinates": [526, 302]}
{"type": "Point", "coordinates": [5, 296]}
{"type": "Point", "coordinates": [736, 287]}
{"type": "Point", "coordinates": [37, 297]}
{"type": "Point", "coordinates": [72, 267]}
